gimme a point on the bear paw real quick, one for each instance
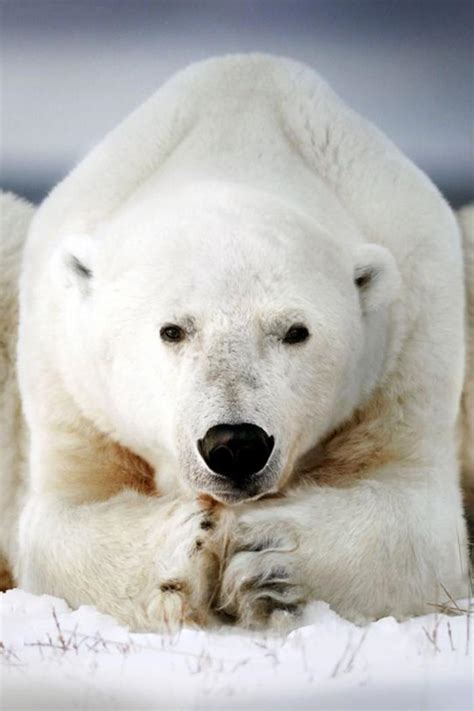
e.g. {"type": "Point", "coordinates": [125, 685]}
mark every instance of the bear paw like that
{"type": "Point", "coordinates": [188, 547]}
{"type": "Point", "coordinates": [264, 580]}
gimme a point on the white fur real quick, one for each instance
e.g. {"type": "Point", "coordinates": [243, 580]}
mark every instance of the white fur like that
{"type": "Point", "coordinates": [243, 197]}
{"type": "Point", "coordinates": [15, 216]}
{"type": "Point", "coordinates": [466, 420]}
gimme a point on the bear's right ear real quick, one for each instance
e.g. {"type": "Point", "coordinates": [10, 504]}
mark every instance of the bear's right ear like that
{"type": "Point", "coordinates": [74, 261]}
{"type": "Point", "coordinates": [376, 277]}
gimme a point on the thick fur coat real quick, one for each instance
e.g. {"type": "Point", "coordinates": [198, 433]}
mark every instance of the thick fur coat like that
{"type": "Point", "coordinates": [314, 279]}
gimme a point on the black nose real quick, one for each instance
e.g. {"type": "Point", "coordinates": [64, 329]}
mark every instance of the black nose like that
{"type": "Point", "coordinates": [236, 451]}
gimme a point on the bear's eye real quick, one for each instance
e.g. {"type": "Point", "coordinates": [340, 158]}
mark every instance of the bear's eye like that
{"type": "Point", "coordinates": [296, 334]}
{"type": "Point", "coordinates": [172, 333]}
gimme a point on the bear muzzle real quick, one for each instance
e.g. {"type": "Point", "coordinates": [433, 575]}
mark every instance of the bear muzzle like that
{"type": "Point", "coordinates": [236, 453]}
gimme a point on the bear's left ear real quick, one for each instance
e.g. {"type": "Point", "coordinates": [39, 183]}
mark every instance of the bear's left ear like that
{"type": "Point", "coordinates": [74, 262]}
{"type": "Point", "coordinates": [376, 277]}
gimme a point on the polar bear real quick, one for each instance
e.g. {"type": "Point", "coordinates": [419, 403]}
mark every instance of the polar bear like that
{"type": "Point", "coordinates": [241, 357]}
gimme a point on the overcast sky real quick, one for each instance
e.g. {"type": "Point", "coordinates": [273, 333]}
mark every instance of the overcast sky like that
{"type": "Point", "coordinates": [71, 69]}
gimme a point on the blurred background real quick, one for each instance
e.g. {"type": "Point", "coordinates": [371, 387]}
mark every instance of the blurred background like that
{"type": "Point", "coordinates": [71, 69]}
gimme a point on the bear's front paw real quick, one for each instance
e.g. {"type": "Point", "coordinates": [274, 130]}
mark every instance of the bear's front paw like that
{"type": "Point", "coordinates": [188, 548]}
{"type": "Point", "coordinates": [264, 581]}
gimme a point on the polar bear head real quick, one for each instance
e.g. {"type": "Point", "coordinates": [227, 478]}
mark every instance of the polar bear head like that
{"type": "Point", "coordinates": [221, 334]}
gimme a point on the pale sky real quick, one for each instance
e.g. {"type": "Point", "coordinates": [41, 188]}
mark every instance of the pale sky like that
{"type": "Point", "coordinates": [70, 71]}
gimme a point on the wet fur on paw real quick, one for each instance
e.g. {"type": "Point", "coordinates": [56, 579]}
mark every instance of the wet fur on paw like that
{"type": "Point", "coordinates": [261, 586]}
{"type": "Point", "coordinates": [188, 587]}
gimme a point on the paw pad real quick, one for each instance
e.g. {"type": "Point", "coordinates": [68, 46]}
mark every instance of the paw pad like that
{"type": "Point", "coordinates": [207, 524]}
{"type": "Point", "coordinates": [173, 586]}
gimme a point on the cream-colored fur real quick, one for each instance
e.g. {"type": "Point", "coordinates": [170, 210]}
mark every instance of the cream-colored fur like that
{"type": "Point", "coordinates": [242, 190]}
{"type": "Point", "coordinates": [466, 421]}
{"type": "Point", "coordinates": [15, 217]}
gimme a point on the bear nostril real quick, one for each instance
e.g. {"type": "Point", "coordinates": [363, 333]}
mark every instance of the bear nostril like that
{"type": "Point", "coordinates": [221, 459]}
{"type": "Point", "coordinates": [236, 451]}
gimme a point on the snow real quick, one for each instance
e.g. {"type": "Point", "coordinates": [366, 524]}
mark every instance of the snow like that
{"type": "Point", "coordinates": [57, 658]}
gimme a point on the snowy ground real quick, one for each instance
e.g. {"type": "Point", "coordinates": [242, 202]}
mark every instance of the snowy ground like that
{"type": "Point", "coordinates": [56, 658]}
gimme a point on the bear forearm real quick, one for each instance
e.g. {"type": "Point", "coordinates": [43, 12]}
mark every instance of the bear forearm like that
{"type": "Point", "coordinates": [145, 560]}
{"type": "Point", "coordinates": [370, 550]}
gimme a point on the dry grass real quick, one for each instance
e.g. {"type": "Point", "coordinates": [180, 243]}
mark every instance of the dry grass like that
{"type": "Point", "coordinates": [346, 662]}
{"type": "Point", "coordinates": [9, 656]}
{"type": "Point", "coordinates": [433, 635]}
{"type": "Point", "coordinates": [73, 641]}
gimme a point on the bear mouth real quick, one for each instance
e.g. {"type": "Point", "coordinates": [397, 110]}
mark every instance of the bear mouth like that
{"type": "Point", "coordinates": [230, 492]}
{"type": "Point", "coordinates": [233, 496]}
